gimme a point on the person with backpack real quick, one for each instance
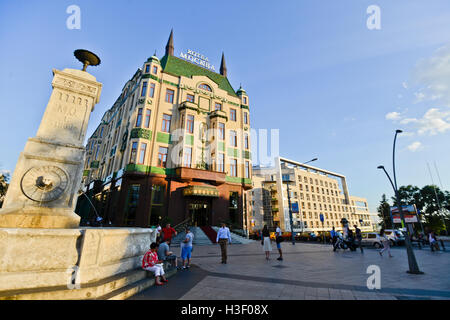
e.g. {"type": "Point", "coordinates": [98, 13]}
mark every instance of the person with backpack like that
{"type": "Point", "coordinates": [350, 240]}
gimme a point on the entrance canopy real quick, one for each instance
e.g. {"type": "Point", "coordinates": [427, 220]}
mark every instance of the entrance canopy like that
{"type": "Point", "coordinates": [205, 191]}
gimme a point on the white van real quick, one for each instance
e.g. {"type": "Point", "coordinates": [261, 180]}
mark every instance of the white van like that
{"type": "Point", "coordinates": [371, 239]}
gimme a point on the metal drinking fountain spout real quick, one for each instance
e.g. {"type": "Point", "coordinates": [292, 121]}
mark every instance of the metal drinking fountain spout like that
{"type": "Point", "coordinates": [87, 58]}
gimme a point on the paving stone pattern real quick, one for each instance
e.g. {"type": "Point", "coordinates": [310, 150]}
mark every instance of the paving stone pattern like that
{"type": "Point", "coordinates": [308, 271]}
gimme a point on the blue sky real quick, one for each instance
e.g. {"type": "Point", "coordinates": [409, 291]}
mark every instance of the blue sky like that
{"type": "Point", "coordinates": [334, 88]}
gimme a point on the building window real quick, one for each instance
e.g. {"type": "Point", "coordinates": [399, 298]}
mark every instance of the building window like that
{"type": "Point", "coordinates": [139, 118]}
{"type": "Point", "coordinates": [245, 100]}
{"type": "Point", "coordinates": [157, 203]}
{"type": "Point", "coordinates": [132, 204]}
{"type": "Point", "coordinates": [246, 145]}
{"type": "Point", "coordinates": [247, 169]}
{"type": "Point", "coordinates": [144, 89]}
{"type": "Point", "coordinates": [147, 68]}
{"type": "Point", "coordinates": [218, 106]}
{"type": "Point", "coordinates": [148, 113]}
{"type": "Point", "coordinates": [205, 87]}
{"type": "Point", "coordinates": [233, 138]}
{"type": "Point", "coordinates": [142, 153]}
{"type": "Point", "coordinates": [187, 157]}
{"type": "Point", "coordinates": [245, 118]}
{"type": "Point", "coordinates": [233, 114]}
{"type": "Point", "coordinates": [152, 90]}
{"type": "Point", "coordinates": [166, 123]}
{"type": "Point", "coordinates": [221, 162]}
{"type": "Point", "coordinates": [190, 98]}
{"type": "Point", "coordinates": [162, 156]}
{"type": "Point", "coordinates": [133, 152]}
{"type": "Point", "coordinates": [221, 131]}
{"type": "Point", "coordinates": [190, 124]}
{"type": "Point", "coordinates": [169, 95]}
{"type": "Point", "coordinates": [233, 206]}
{"type": "Point", "coordinates": [233, 167]}
{"type": "Point", "coordinates": [155, 69]}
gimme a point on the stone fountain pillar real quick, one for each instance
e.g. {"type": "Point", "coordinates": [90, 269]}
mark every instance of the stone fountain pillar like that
{"type": "Point", "coordinates": [44, 187]}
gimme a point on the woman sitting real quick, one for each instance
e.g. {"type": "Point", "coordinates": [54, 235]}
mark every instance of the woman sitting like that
{"type": "Point", "coordinates": [150, 262]}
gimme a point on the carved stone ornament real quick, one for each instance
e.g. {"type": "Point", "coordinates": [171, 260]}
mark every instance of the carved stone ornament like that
{"type": "Point", "coordinates": [45, 183]}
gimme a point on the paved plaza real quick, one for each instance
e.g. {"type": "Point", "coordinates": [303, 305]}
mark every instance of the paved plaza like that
{"type": "Point", "coordinates": [308, 271]}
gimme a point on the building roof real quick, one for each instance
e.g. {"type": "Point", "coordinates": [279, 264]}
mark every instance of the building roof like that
{"type": "Point", "coordinates": [180, 67]}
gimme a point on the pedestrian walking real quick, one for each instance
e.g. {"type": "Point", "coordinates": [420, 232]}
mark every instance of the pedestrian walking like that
{"type": "Point", "coordinates": [386, 244]}
{"type": "Point", "coordinates": [279, 239]}
{"type": "Point", "coordinates": [358, 238]}
{"type": "Point", "coordinates": [333, 235]}
{"type": "Point", "coordinates": [223, 237]}
{"type": "Point", "coordinates": [265, 241]}
{"type": "Point", "coordinates": [186, 249]}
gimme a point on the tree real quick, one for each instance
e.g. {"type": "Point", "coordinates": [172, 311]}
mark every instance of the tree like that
{"type": "Point", "coordinates": [4, 183]}
{"type": "Point", "coordinates": [426, 203]}
{"type": "Point", "coordinates": [384, 212]}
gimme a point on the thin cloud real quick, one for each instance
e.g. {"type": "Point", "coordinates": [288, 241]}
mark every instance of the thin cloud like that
{"type": "Point", "coordinates": [415, 146]}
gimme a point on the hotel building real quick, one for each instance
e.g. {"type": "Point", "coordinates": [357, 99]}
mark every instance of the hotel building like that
{"type": "Point", "coordinates": [175, 146]}
{"type": "Point", "coordinates": [312, 191]}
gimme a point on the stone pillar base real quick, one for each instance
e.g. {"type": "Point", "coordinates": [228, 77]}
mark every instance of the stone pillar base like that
{"type": "Point", "coordinates": [38, 217]}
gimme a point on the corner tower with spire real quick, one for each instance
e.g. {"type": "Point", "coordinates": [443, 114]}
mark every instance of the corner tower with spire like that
{"type": "Point", "coordinates": [161, 151]}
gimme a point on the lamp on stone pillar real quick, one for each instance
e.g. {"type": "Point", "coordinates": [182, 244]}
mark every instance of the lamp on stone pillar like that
{"type": "Point", "coordinates": [45, 183]}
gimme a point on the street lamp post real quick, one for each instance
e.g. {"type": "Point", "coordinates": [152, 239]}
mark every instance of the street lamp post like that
{"type": "Point", "coordinates": [289, 204]}
{"type": "Point", "coordinates": [413, 267]}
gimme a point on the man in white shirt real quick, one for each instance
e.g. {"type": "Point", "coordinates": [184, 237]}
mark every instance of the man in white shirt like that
{"type": "Point", "coordinates": [223, 236]}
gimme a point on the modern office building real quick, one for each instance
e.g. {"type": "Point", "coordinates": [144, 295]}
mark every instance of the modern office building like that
{"type": "Point", "coordinates": [312, 192]}
{"type": "Point", "coordinates": [175, 145]}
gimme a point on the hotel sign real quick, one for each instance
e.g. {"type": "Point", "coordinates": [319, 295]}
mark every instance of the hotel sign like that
{"type": "Point", "coordinates": [198, 59]}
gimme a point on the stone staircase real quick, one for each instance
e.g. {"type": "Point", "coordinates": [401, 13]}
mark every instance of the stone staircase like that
{"type": "Point", "coordinates": [235, 238]}
{"type": "Point", "coordinates": [200, 238]}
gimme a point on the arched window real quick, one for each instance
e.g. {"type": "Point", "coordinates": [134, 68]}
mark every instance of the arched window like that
{"type": "Point", "coordinates": [204, 86]}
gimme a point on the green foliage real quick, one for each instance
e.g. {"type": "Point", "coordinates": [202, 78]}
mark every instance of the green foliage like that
{"type": "Point", "coordinates": [384, 213]}
{"type": "Point", "coordinates": [429, 200]}
{"type": "Point", "coordinates": [4, 183]}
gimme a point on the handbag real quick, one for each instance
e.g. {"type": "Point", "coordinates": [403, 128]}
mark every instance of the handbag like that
{"type": "Point", "coordinates": [279, 239]}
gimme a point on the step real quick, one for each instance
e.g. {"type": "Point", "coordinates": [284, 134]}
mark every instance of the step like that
{"type": "Point", "coordinates": [134, 288]}
{"type": "Point", "coordinates": [86, 291]}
